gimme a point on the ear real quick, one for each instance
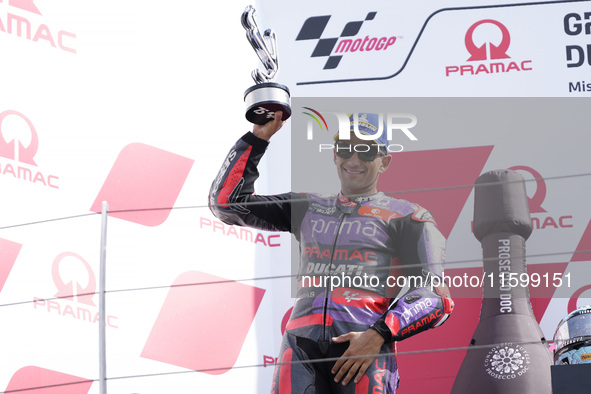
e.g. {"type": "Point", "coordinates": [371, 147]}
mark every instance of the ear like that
{"type": "Point", "coordinates": [386, 160]}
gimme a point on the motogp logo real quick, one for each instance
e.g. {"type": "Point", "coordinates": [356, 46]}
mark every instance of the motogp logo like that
{"type": "Point", "coordinates": [349, 41]}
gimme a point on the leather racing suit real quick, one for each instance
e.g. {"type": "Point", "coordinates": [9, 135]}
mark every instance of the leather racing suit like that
{"type": "Point", "coordinates": [351, 252]}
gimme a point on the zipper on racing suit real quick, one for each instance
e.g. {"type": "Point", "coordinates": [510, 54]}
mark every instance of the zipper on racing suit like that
{"type": "Point", "coordinates": [325, 342]}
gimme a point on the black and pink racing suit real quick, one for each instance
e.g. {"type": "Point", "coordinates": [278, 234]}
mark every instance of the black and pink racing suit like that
{"type": "Point", "coordinates": [365, 263]}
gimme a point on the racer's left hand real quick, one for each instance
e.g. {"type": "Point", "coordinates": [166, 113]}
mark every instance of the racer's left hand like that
{"type": "Point", "coordinates": [360, 343]}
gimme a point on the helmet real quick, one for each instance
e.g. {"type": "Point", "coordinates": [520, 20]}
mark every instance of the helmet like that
{"type": "Point", "coordinates": [572, 339]}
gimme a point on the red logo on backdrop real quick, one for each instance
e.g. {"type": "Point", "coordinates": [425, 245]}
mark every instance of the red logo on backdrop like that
{"type": "Point", "coordinates": [76, 287]}
{"type": "Point", "coordinates": [21, 26]}
{"type": "Point", "coordinates": [73, 289]}
{"type": "Point", "coordinates": [8, 253]}
{"type": "Point", "coordinates": [543, 220]}
{"type": "Point", "coordinates": [203, 323]}
{"type": "Point", "coordinates": [241, 233]}
{"type": "Point", "coordinates": [535, 201]}
{"type": "Point", "coordinates": [48, 381]}
{"type": "Point", "coordinates": [19, 143]}
{"type": "Point", "coordinates": [490, 52]}
{"type": "Point", "coordinates": [573, 301]}
{"type": "Point", "coordinates": [11, 147]}
{"type": "Point", "coordinates": [496, 51]}
{"type": "Point", "coordinates": [143, 184]}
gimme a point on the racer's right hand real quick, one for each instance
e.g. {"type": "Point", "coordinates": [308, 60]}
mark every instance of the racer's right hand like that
{"type": "Point", "coordinates": [267, 130]}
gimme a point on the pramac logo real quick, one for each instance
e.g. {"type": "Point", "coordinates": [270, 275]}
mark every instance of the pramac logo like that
{"type": "Point", "coordinates": [20, 149]}
{"type": "Point", "coordinates": [495, 51]}
{"type": "Point", "coordinates": [76, 287]}
{"type": "Point", "coordinates": [486, 48]}
{"type": "Point", "coordinates": [15, 149]}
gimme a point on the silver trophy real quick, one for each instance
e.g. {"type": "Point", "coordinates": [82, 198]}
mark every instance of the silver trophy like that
{"type": "Point", "coordinates": [266, 97]}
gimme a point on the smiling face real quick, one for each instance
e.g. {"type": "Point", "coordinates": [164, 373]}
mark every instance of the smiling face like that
{"type": "Point", "coordinates": [359, 177]}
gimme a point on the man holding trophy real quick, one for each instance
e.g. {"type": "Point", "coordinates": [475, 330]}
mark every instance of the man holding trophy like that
{"type": "Point", "coordinates": [338, 340]}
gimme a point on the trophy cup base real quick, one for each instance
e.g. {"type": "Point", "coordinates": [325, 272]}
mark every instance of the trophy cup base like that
{"type": "Point", "coordinates": [263, 100]}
